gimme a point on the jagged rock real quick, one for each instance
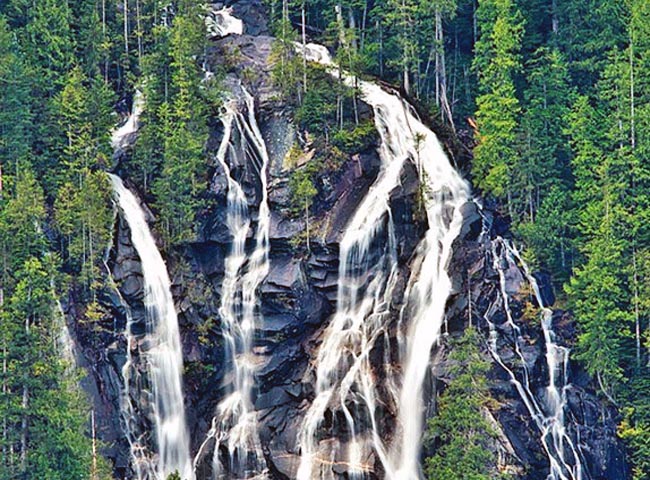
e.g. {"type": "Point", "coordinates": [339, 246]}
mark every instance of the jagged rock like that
{"type": "Point", "coordinates": [275, 397]}
{"type": "Point", "coordinates": [280, 193]}
{"type": "Point", "coordinates": [285, 229]}
{"type": "Point", "coordinates": [254, 11]}
{"type": "Point", "coordinates": [285, 274]}
{"type": "Point", "coordinates": [286, 463]}
{"type": "Point", "coordinates": [133, 287]}
{"type": "Point", "coordinates": [280, 135]}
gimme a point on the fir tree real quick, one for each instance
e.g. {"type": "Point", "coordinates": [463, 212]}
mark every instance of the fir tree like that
{"type": "Point", "coordinates": [462, 435]}
{"type": "Point", "coordinates": [497, 61]}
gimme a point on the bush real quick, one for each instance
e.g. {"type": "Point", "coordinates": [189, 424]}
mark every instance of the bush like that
{"type": "Point", "coordinates": [359, 138]}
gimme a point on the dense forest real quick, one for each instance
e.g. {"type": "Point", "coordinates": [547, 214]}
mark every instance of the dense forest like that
{"type": "Point", "coordinates": [552, 96]}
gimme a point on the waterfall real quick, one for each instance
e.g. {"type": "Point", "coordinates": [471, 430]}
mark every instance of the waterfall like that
{"type": "Point", "coordinates": [64, 342]}
{"type": "Point", "coordinates": [159, 348]}
{"type": "Point", "coordinates": [220, 23]}
{"type": "Point", "coordinates": [429, 286]}
{"type": "Point", "coordinates": [120, 137]}
{"type": "Point", "coordinates": [367, 269]}
{"type": "Point", "coordinates": [547, 412]}
{"type": "Point", "coordinates": [235, 425]}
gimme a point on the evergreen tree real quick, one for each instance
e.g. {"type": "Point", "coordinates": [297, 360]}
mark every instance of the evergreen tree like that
{"type": "Point", "coordinates": [182, 178]}
{"type": "Point", "coordinates": [83, 210]}
{"type": "Point", "coordinates": [586, 31]}
{"type": "Point", "coordinates": [497, 61]}
{"type": "Point", "coordinates": [543, 175]}
{"type": "Point", "coordinates": [462, 435]}
{"type": "Point", "coordinates": [15, 103]}
{"type": "Point", "coordinates": [42, 411]}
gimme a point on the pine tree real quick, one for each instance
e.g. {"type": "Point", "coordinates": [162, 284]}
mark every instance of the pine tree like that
{"type": "Point", "coordinates": [83, 210]}
{"type": "Point", "coordinates": [182, 177]}
{"type": "Point", "coordinates": [42, 410]}
{"type": "Point", "coordinates": [15, 104]}
{"type": "Point", "coordinates": [597, 288]}
{"type": "Point", "coordinates": [462, 435]}
{"type": "Point", "coordinates": [543, 175]}
{"type": "Point", "coordinates": [497, 61]}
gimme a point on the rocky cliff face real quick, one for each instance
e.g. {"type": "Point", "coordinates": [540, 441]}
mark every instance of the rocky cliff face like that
{"type": "Point", "coordinates": [299, 295]}
{"type": "Point", "coordinates": [590, 423]}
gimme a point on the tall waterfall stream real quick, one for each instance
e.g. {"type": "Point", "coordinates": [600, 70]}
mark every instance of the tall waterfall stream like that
{"type": "Point", "coordinates": [547, 411]}
{"type": "Point", "coordinates": [345, 376]}
{"type": "Point", "coordinates": [161, 350]}
{"type": "Point", "coordinates": [235, 425]}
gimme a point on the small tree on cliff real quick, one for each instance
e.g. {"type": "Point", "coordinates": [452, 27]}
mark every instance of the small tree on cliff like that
{"type": "Point", "coordinates": [303, 192]}
{"type": "Point", "coordinates": [460, 431]}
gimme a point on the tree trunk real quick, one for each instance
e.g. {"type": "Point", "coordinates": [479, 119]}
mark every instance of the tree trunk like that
{"type": "Point", "coordinates": [24, 405]}
{"type": "Point", "coordinates": [93, 474]}
{"type": "Point", "coordinates": [637, 325]}
{"type": "Point", "coordinates": [285, 21]}
{"type": "Point", "coordinates": [307, 225]}
{"type": "Point", "coordinates": [353, 28]}
{"type": "Point", "coordinates": [475, 22]}
{"type": "Point", "coordinates": [138, 24]}
{"type": "Point", "coordinates": [442, 100]}
{"type": "Point", "coordinates": [381, 49]}
{"type": "Point", "coordinates": [632, 101]}
{"type": "Point", "coordinates": [405, 79]}
{"type": "Point", "coordinates": [469, 298]}
{"type": "Point", "coordinates": [126, 27]}
{"type": "Point", "coordinates": [106, 56]}
{"type": "Point", "coordinates": [405, 54]}
{"type": "Point", "coordinates": [4, 385]}
{"type": "Point", "coordinates": [363, 25]}
{"type": "Point", "coordinates": [304, 49]}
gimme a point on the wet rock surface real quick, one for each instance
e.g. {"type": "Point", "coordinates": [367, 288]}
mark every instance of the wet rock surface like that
{"type": "Point", "coordinates": [298, 298]}
{"type": "Point", "coordinates": [590, 422]}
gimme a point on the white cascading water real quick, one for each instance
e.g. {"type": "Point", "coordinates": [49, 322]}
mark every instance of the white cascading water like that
{"type": "Point", "coordinates": [161, 348]}
{"type": "Point", "coordinates": [235, 425]}
{"type": "Point", "coordinates": [548, 412]}
{"type": "Point", "coordinates": [142, 461]}
{"type": "Point", "coordinates": [64, 342]}
{"type": "Point", "coordinates": [220, 23]}
{"type": "Point", "coordinates": [121, 136]}
{"type": "Point", "coordinates": [345, 377]}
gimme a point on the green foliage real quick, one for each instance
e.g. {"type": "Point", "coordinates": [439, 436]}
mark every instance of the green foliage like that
{"type": "Point", "coordinates": [302, 188]}
{"type": "Point", "coordinates": [462, 435]}
{"type": "Point", "coordinates": [634, 427]}
{"type": "Point", "coordinates": [303, 192]}
{"type": "Point", "coordinates": [561, 97]}
{"type": "Point", "coordinates": [636, 434]}
{"type": "Point", "coordinates": [84, 217]}
{"type": "Point", "coordinates": [497, 61]}
{"type": "Point", "coordinates": [286, 64]}
{"type": "Point", "coordinates": [357, 138]}
{"type": "Point", "coordinates": [21, 222]}
{"type": "Point", "coordinates": [170, 154]}
{"type": "Point", "coordinates": [44, 414]}
{"type": "Point", "coordinates": [550, 234]}
{"type": "Point", "coordinates": [15, 110]}
{"type": "Point", "coordinates": [317, 111]}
